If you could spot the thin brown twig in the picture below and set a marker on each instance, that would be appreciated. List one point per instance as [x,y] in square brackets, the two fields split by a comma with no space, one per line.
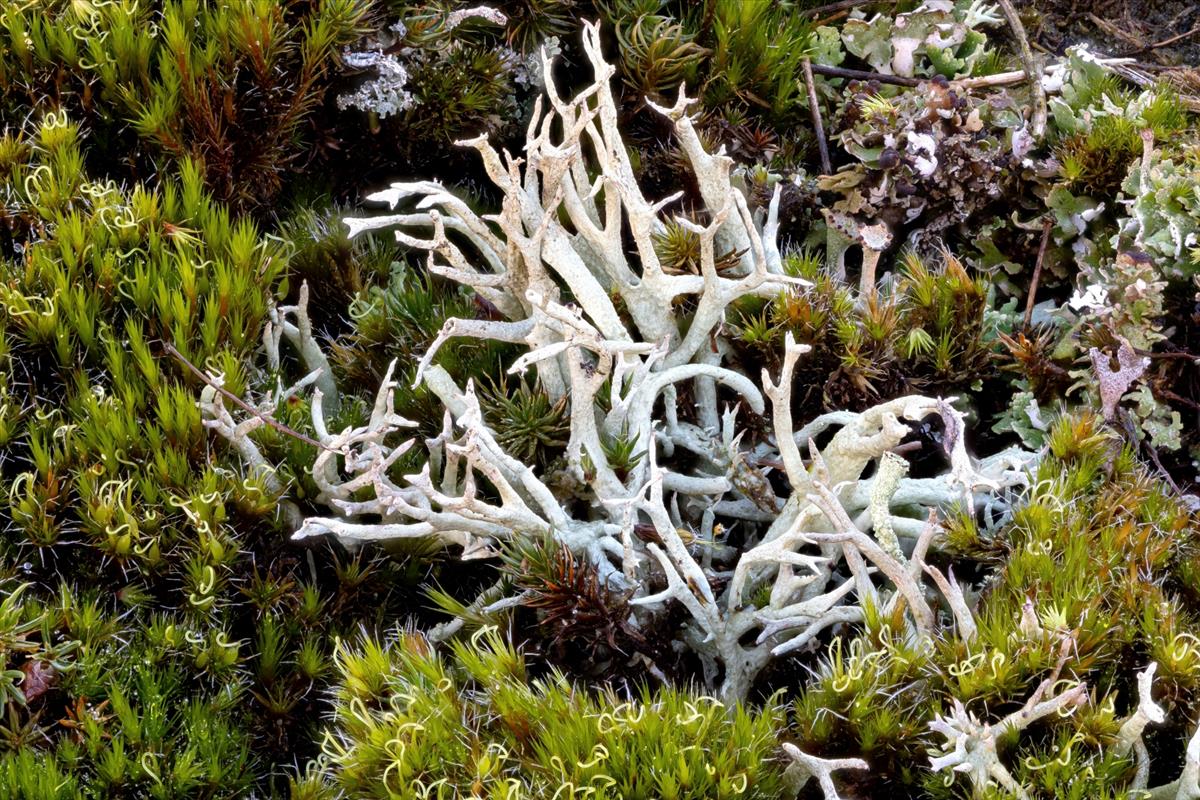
[1178,398]
[1171,40]
[239,402]
[1115,31]
[1016,76]
[818,125]
[1032,69]
[832,18]
[1183,13]
[981,82]
[1149,67]
[1151,451]
[1141,73]
[862,75]
[829,8]
[1170,354]
[1047,226]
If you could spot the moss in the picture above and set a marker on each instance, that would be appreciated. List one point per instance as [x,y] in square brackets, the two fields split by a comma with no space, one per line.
[399,319]
[232,86]
[177,172]
[476,722]
[1092,551]
[930,333]
[532,428]
[200,634]
[336,269]
[740,58]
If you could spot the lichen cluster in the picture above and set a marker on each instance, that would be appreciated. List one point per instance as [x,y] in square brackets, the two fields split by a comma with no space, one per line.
[610,398]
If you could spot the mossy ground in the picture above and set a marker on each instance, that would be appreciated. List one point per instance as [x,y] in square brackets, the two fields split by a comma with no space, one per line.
[169,170]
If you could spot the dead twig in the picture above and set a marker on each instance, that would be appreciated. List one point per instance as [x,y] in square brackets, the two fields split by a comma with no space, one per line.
[1016,76]
[862,75]
[239,402]
[981,82]
[832,18]
[1116,32]
[1032,70]
[1047,226]
[1186,356]
[843,5]
[818,126]
[1144,74]
[1165,42]
[1178,398]
[1138,443]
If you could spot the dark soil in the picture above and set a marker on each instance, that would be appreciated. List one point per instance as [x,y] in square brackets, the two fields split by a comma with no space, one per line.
[1158,33]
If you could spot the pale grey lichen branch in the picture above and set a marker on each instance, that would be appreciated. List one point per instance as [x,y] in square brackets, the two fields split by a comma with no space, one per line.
[804,767]
[1187,786]
[970,746]
[1129,737]
[217,418]
[293,324]
[964,619]
[832,536]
